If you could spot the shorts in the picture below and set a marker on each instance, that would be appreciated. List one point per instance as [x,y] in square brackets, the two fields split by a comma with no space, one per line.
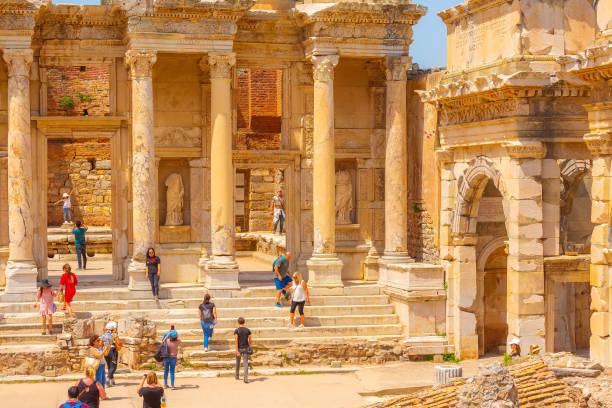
[299,305]
[282,284]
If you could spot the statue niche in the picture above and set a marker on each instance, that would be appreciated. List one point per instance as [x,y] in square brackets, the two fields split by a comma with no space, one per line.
[174,199]
[344,197]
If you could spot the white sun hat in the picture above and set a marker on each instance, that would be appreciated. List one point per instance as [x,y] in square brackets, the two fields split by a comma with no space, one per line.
[65,195]
[111,325]
[516,341]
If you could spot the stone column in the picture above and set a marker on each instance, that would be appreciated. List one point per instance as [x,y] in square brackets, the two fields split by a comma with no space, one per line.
[396,164]
[324,266]
[525,301]
[222,269]
[143,164]
[21,271]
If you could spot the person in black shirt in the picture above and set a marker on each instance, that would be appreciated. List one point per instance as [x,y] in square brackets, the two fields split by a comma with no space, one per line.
[242,336]
[153,271]
[152,392]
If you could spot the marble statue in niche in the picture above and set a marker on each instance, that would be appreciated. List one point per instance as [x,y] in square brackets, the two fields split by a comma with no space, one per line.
[174,199]
[344,197]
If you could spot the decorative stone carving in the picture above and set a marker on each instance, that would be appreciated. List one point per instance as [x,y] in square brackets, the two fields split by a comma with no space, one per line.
[344,197]
[174,199]
[177,136]
[221,64]
[18,61]
[323,67]
[478,112]
[396,68]
[525,149]
[307,127]
[140,62]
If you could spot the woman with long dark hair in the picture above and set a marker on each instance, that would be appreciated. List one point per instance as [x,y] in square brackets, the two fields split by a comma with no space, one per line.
[208,318]
[153,271]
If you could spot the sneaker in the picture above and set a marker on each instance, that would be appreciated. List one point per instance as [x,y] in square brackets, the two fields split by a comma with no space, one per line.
[173,387]
[113,381]
[278,305]
[156,298]
[291,326]
[301,327]
[205,349]
[166,386]
[246,381]
[236,377]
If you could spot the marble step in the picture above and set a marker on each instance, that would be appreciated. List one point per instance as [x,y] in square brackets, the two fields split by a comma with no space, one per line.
[264,342]
[21,339]
[27,328]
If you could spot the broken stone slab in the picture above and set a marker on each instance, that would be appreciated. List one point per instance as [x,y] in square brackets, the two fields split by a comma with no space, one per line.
[445,373]
[561,372]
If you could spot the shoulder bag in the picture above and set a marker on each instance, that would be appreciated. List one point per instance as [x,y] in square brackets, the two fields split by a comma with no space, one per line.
[92,362]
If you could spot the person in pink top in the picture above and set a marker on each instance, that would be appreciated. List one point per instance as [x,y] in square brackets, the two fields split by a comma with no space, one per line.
[44,301]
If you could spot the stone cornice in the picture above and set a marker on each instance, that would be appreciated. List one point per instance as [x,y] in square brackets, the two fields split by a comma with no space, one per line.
[593,65]
[469,7]
[397,12]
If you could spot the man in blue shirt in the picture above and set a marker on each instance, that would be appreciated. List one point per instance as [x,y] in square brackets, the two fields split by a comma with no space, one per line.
[282,280]
[79,243]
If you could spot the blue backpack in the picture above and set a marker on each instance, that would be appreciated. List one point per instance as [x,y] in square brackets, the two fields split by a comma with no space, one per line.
[77,405]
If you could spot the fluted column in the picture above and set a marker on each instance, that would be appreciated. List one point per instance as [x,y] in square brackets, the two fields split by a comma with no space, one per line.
[396,163]
[21,269]
[141,64]
[324,267]
[222,269]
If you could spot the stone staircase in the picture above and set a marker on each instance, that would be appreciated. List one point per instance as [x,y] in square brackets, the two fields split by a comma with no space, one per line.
[359,313]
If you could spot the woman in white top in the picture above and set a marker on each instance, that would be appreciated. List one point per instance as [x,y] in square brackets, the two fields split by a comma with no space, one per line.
[300,297]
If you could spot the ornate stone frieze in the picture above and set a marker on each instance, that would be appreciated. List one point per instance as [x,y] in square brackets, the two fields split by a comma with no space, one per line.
[454,115]
[523,149]
[18,61]
[221,64]
[357,13]
[307,128]
[396,68]
[323,67]
[194,25]
[140,62]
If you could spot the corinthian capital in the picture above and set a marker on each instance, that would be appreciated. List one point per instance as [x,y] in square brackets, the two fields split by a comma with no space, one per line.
[140,62]
[221,64]
[323,67]
[18,61]
[396,67]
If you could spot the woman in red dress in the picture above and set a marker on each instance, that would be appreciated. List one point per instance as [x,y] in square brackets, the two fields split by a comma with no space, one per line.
[68,281]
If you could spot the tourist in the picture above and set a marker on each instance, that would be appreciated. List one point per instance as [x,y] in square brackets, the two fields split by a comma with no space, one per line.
[45,304]
[112,341]
[277,209]
[98,350]
[243,342]
[173,343]
[208,318]
[282,280]
[151,392]
[90,391]
[68,283]
[66,206]
[79,244]
[515,348]
[73,399]
[299,287]
[153,271]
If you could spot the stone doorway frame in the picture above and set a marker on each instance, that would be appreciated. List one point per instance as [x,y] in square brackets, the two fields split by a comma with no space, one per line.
[289,162]
[84,127]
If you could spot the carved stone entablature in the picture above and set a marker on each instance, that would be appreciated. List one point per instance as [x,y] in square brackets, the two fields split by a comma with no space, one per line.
[20,15]
[359,13]
[221,64]
[593,65]
[599,143]
[190,9]
[18,61]
[323,67]
[140,63]
[525,149]
[467,113]
[445,155]
[469,7]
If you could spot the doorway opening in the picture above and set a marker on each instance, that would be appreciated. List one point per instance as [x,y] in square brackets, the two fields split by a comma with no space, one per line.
[495,331]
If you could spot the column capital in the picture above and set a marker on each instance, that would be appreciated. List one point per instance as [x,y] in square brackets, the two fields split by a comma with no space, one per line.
[140,62]
[18,61]
[396,67]
[600,143]
[323,67]
[220,64]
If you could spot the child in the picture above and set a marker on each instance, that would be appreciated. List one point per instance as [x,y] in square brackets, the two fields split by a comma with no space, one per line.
[66,207]
[242,337]
[73,400]
[44,301]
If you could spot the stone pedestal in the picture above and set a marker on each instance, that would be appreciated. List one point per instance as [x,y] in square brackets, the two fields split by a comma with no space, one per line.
[221,271]
[21,271]
[324,267]
[143,164]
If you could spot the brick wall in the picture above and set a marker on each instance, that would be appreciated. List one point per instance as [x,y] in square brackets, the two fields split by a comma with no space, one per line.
[86,166]
[259,109]
[69,80]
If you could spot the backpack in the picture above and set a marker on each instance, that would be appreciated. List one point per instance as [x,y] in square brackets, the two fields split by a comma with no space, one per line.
[207,314]
[77,405]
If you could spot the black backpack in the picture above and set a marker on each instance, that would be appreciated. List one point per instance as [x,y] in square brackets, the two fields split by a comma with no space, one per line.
[207,314]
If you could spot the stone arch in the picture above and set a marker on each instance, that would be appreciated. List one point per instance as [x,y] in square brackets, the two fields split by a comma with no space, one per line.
[572,172]
[470,186]
[487,250]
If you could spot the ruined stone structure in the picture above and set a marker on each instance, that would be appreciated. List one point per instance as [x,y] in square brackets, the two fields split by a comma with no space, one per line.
[468,196]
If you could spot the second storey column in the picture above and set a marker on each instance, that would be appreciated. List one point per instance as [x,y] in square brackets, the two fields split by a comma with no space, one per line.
[324,267]
[143,164]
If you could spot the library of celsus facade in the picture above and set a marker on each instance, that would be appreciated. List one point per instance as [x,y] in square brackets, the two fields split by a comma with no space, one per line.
[477,196]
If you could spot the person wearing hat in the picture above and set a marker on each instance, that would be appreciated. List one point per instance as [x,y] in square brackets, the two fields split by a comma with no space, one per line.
[66,206]
[44,302]
[112,341]
[534,349]
[515,348]
[172,341]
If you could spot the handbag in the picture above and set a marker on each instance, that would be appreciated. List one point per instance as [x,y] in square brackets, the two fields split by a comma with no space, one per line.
[118,342]
[92,362]
[60,297]
[162,352]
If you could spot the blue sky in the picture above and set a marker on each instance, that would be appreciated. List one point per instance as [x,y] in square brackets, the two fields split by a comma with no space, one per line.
[429,46]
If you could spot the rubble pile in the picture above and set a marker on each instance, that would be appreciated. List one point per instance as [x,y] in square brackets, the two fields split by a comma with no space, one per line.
[493,387]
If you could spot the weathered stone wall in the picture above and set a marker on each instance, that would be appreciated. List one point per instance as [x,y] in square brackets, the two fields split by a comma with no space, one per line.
[84,165]
[261,191]
[70,80]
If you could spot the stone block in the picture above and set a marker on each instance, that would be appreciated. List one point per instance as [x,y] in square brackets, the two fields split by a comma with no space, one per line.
[599,299]
[597,254]
[525,247]
[550,169]
[525,211]
[551,246]
[524,265]
[600,324]
[600,189]
[600,212]
[523,188]
[526,168]
[599,275]
[529,231]
[174,233]
[599,349]
[600,235]
[602,166]
[103,164]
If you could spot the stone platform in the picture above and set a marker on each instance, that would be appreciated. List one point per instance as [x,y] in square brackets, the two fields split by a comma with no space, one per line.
[357,326]
[60,240]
